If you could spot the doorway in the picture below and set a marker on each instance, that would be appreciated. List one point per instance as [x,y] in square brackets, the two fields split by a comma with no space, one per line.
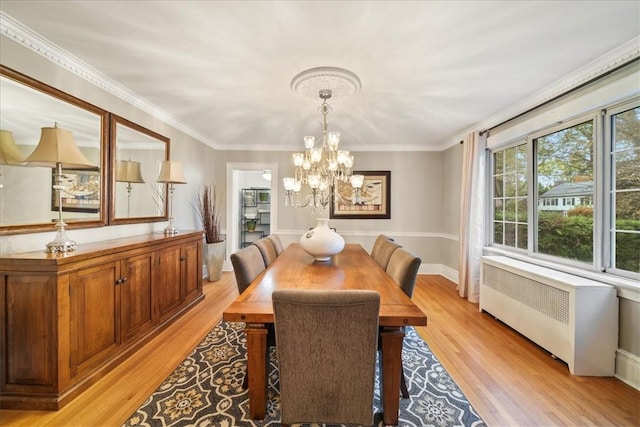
[247,175]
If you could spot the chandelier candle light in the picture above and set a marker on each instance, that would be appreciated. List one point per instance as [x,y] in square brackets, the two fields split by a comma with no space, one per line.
[322,166]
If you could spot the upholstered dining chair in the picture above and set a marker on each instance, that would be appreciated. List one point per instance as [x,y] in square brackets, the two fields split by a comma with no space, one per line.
[382,250]
[267,250]
[403,268]
[277,243]
[247,265]
[327,343]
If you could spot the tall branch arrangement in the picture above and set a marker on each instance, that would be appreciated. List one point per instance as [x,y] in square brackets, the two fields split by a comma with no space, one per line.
[207,209]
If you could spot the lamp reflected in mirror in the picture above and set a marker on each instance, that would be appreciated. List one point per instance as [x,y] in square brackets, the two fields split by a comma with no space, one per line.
[129,171]
[57,149]
[9,152]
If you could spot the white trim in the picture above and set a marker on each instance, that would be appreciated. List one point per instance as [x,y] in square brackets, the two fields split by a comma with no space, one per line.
[23,35]
[628,368]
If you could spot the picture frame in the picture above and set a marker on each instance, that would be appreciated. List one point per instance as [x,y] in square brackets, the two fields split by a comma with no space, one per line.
[81,190]
[375,198]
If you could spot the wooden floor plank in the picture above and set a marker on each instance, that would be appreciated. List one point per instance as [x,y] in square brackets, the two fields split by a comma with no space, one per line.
[508,379]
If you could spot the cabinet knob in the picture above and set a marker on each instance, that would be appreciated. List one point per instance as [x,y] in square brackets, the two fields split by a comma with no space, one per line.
[124,279]
[119,281]
[183,258]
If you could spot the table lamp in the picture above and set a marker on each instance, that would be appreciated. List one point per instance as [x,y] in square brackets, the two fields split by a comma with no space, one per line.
[57,149]
[171,173]
[128,171]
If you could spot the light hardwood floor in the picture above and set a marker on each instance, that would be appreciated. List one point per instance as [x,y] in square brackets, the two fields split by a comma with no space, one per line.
[507,378]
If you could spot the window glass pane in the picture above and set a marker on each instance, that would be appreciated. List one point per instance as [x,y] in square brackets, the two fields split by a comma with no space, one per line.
[498,159]
[627,164]
[510,210]
[498,207]
[510,160]
[626,127]
[510,234]
[565,172]
[499,186]
[628,210]
[627,251]
[521,209]
[626,190]
[522,236]
[510,185]
[498,232]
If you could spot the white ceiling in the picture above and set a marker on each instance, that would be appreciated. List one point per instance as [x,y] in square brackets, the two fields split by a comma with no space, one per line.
[431,71]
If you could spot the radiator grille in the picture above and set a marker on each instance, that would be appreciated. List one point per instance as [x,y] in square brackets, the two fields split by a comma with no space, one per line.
[552,302]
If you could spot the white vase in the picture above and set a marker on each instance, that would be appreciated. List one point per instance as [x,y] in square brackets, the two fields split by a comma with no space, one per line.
[214,258]
[322,242]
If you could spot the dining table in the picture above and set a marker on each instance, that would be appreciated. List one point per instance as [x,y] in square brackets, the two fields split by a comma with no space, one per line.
[352,268]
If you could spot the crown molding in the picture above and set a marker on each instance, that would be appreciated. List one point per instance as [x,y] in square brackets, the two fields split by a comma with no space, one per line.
[618,57]
[16,31]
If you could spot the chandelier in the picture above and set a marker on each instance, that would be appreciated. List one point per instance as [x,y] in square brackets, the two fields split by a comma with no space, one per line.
[322,166]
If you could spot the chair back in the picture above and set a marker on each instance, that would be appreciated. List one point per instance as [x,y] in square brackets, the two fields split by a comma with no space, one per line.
[267,250]
[382,250]
[247,265]
[403,269]
[277,243]
[327,343]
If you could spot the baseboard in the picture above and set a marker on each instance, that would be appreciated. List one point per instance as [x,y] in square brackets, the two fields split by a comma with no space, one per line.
[628,368]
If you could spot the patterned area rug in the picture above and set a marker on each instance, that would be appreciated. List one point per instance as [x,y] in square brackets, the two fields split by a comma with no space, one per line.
[206,389]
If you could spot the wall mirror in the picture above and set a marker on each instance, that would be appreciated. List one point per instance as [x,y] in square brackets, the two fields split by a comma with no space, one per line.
[27,202]
[137,154]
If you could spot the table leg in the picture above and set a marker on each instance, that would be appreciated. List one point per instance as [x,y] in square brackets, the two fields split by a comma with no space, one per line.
[391,360]
[257,369]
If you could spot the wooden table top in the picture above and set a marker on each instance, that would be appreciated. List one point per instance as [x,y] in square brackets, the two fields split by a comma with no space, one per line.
[353,268]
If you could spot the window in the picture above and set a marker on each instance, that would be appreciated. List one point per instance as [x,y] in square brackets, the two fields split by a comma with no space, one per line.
[556,196]
[564,169]
[510,197]
[625,189]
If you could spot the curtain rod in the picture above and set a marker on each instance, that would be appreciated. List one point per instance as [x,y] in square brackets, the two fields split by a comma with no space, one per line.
[548,101]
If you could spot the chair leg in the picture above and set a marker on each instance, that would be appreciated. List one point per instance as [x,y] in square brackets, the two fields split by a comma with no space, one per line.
[245,382]
[403,385]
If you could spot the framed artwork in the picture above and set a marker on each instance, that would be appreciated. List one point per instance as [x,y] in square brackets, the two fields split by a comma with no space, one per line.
[374,201]
[81,190]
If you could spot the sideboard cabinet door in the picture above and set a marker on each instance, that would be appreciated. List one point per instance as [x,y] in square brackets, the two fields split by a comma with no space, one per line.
[95,315]
[29,329]
[167,281]
[135,295]
[192,270]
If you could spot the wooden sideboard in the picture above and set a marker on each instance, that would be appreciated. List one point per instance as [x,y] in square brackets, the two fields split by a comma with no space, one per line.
[68,319]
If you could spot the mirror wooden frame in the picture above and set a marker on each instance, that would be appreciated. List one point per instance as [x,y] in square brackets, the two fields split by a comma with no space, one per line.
[104,129]
[113,142]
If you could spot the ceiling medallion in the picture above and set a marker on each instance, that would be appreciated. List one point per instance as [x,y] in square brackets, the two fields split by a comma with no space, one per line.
[342,83]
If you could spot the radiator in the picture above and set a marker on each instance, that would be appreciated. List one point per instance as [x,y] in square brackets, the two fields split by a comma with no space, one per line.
[575,319]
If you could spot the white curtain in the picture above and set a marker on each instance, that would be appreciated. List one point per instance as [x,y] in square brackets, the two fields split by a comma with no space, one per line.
[472,215]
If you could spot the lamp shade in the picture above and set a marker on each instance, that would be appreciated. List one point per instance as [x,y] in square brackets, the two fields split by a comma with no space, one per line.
[171,172]
[9,152]
[128,171]
[57,146]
